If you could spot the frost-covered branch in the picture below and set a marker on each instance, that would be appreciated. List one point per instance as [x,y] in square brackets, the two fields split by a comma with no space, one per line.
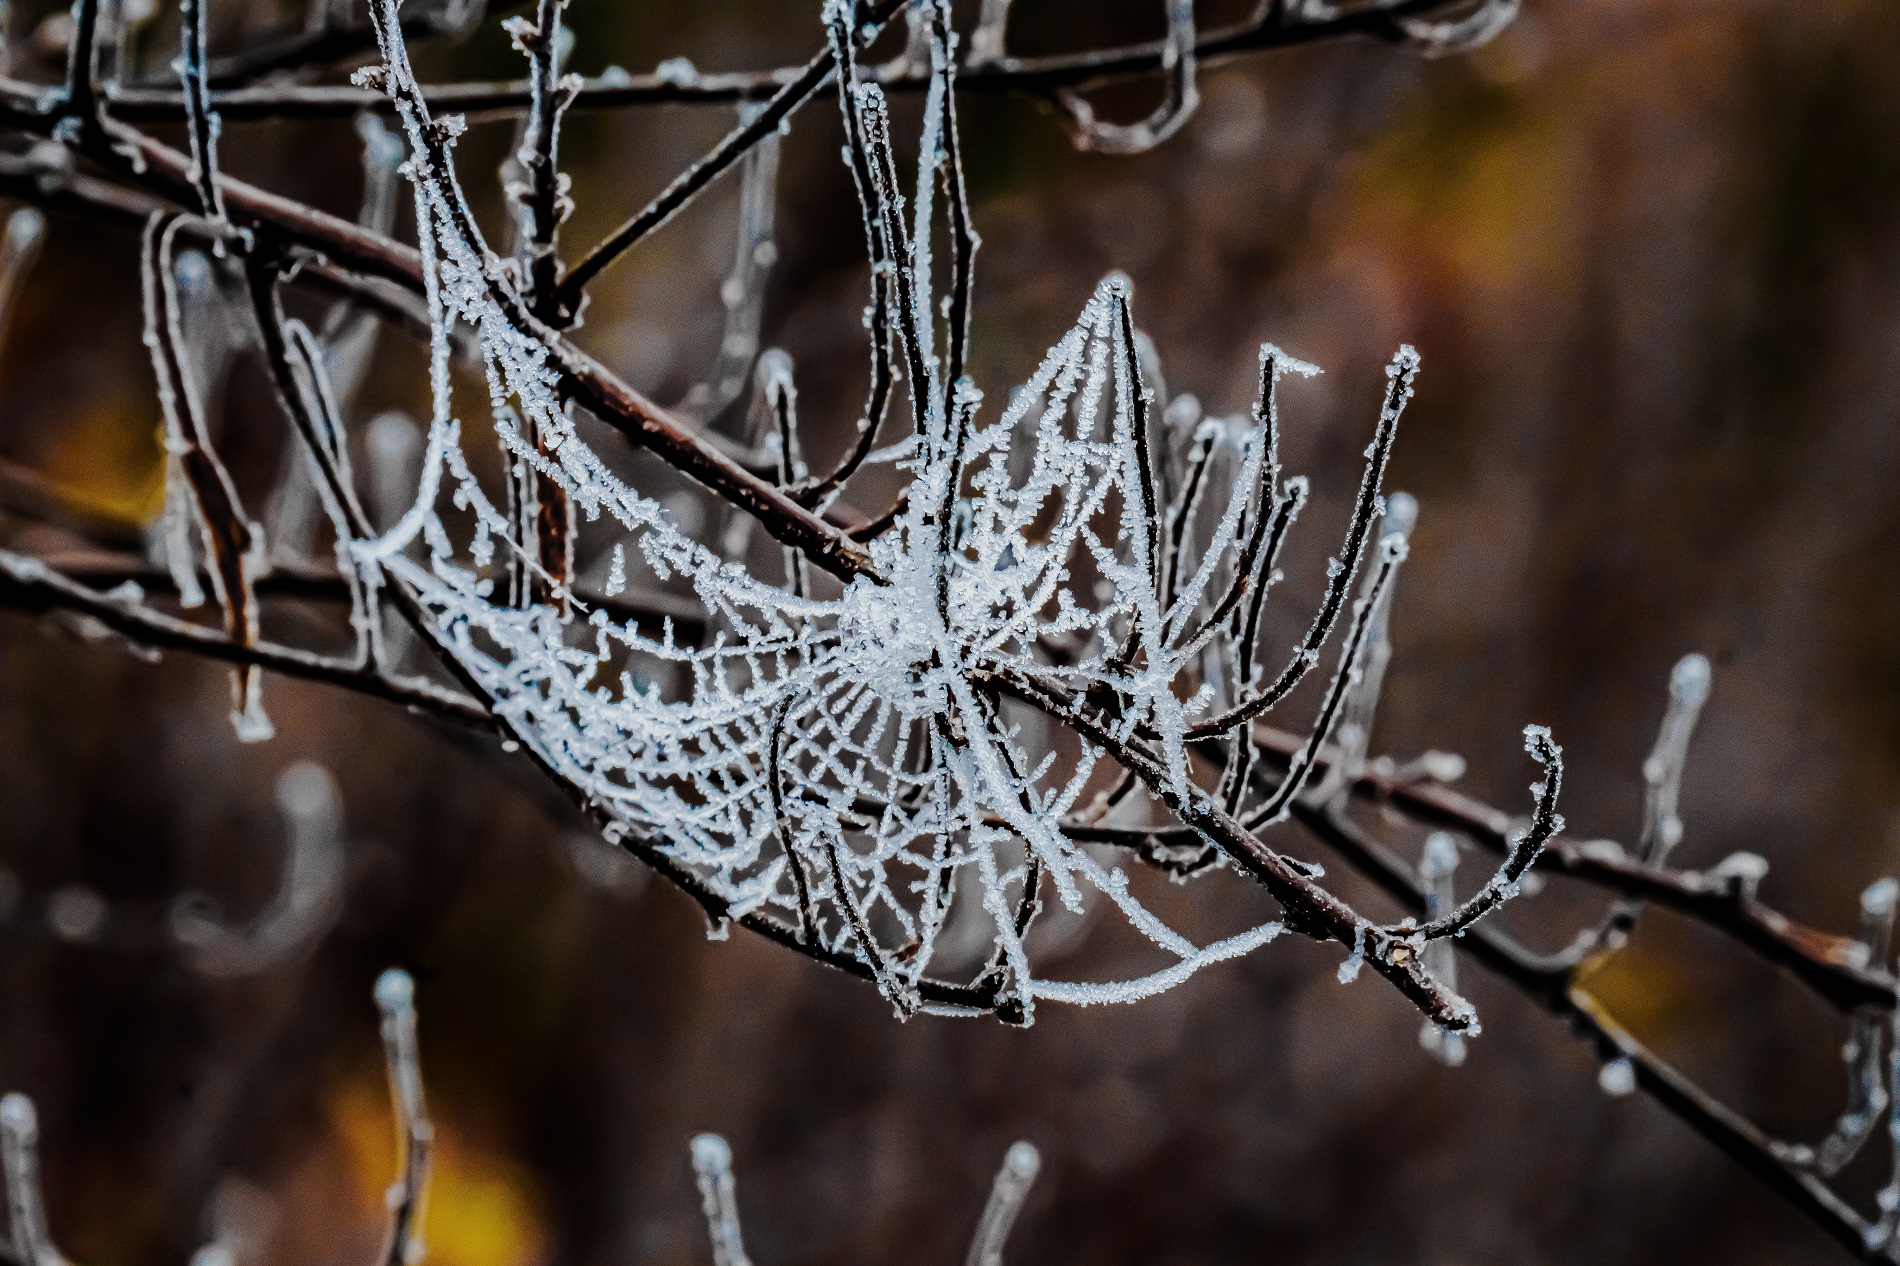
[201,497]
[883,688]
[1867,1095]
[1835,967]
[1526,845]
[201,123]
[27,584]
[1437,872]
[754,127]
[1628,1064]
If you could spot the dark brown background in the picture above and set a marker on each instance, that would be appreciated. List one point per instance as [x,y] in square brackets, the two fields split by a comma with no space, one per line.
[1650,251]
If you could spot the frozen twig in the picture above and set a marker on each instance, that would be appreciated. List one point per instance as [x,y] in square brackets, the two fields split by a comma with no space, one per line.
[19,1148]
[987,42]
[1274,809]
[1178,59]
[712,1166]
[743,293]
[1355,725]
[753,130]
[1340,571]
[1020,1166]
[19,247]
[1867,1096]
[842,43]
[28,585]
[1442,36]
[198,486]
[1549,984]
[1525,849]
[1078,71]
[395,995]
[1689,684]
[1437,871]
[202,124]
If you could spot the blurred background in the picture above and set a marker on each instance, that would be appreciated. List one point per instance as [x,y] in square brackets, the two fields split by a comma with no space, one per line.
[1650,253]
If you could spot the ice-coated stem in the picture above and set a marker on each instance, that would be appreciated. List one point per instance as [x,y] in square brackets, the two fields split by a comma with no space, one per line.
[1866,1089]
[1662,772]
[1528,845]
[1400,375]
[1021,1164]
[743,293]
[19,248]
[201,123]
[1438,868]
[1177,63]
[1362,704]
[712,1165]
[1443,37]
[19,1147]
[395,995]
[1689,683]
[987,41]
[310,885]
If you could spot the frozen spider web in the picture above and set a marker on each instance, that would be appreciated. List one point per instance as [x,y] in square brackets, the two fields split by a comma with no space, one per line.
[835,763]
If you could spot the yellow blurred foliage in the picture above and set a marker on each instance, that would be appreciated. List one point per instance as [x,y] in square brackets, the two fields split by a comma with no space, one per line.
[1477,186]
[110,461]
[1642,991]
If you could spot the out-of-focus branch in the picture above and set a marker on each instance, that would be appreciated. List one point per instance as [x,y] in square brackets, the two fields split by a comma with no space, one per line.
[31,495]
[1030,75]
[1021,1164]
[309,893]
[26,1214]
